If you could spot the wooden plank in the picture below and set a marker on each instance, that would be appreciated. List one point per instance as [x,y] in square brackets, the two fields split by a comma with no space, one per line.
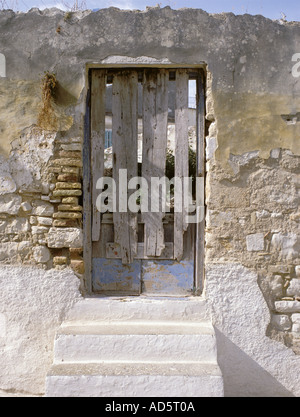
[124,139]
[155,127]
[97,142]
[181,157]
[113,251]
[87,215]
[200,227]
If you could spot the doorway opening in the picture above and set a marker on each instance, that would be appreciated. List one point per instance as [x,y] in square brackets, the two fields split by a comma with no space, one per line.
[146,138]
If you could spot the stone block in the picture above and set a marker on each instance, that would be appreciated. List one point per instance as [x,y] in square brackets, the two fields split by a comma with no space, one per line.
[26,207]
[69,207]
[76,252]
[287,244]
[33,220]
[77,266]
[68,185]
[211,147]
[294,288]
[255,242]
[45,221]
[70,154]
[19,225]
[41,254]
[275,153]
[55,169]
[60,260]
[296,318]
[65,223]
[67,178]
[71,170]
[287,306]
[65,238]
[67,162]
[24,248]
[276,286]
[10,204]
[67,215]
[70,200]
[67,193]
[297,271]
[281,322]
[42,208]
[296,328]
[8,250]
[7,184]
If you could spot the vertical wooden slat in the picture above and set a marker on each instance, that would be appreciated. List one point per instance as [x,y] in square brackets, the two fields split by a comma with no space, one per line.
[155,126]
[124,139]
[87,216]
[97,142]
[181,157]
[200,226]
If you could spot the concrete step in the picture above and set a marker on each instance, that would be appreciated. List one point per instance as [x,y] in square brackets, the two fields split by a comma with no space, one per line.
[136,347]
[192,309]
[138,341]
[135,380]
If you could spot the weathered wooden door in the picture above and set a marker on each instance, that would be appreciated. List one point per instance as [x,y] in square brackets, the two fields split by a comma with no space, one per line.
[142,241]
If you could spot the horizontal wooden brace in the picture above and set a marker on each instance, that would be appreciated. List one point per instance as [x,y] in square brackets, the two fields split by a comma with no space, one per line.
[113,252]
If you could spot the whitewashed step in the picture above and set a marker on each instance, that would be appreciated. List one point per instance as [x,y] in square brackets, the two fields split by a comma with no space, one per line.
[102,309]
[135,380]
[138,341]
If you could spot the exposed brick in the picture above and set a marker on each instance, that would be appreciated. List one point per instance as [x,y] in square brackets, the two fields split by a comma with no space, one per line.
[65,223]
[69,207]
[67,193]
[54,169]
[70,154]
[68,178]
[60,260]
[71,170]
[77,266]
[70,200]
[72,162]
[67,215]
[68,185]
[76,253]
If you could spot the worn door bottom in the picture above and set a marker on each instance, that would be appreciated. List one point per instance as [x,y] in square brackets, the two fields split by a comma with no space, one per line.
[157,277]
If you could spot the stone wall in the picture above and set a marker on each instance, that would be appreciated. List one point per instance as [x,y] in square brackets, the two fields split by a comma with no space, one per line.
[41,218]
[252,190]
[253,219]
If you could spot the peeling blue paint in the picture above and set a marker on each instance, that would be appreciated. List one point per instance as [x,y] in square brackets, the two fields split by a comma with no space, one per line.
[154,277]
[168,277]
[112,275]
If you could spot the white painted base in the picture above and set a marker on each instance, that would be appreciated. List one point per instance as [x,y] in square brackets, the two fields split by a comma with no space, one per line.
[135,380]
[143,341]
[138,308]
